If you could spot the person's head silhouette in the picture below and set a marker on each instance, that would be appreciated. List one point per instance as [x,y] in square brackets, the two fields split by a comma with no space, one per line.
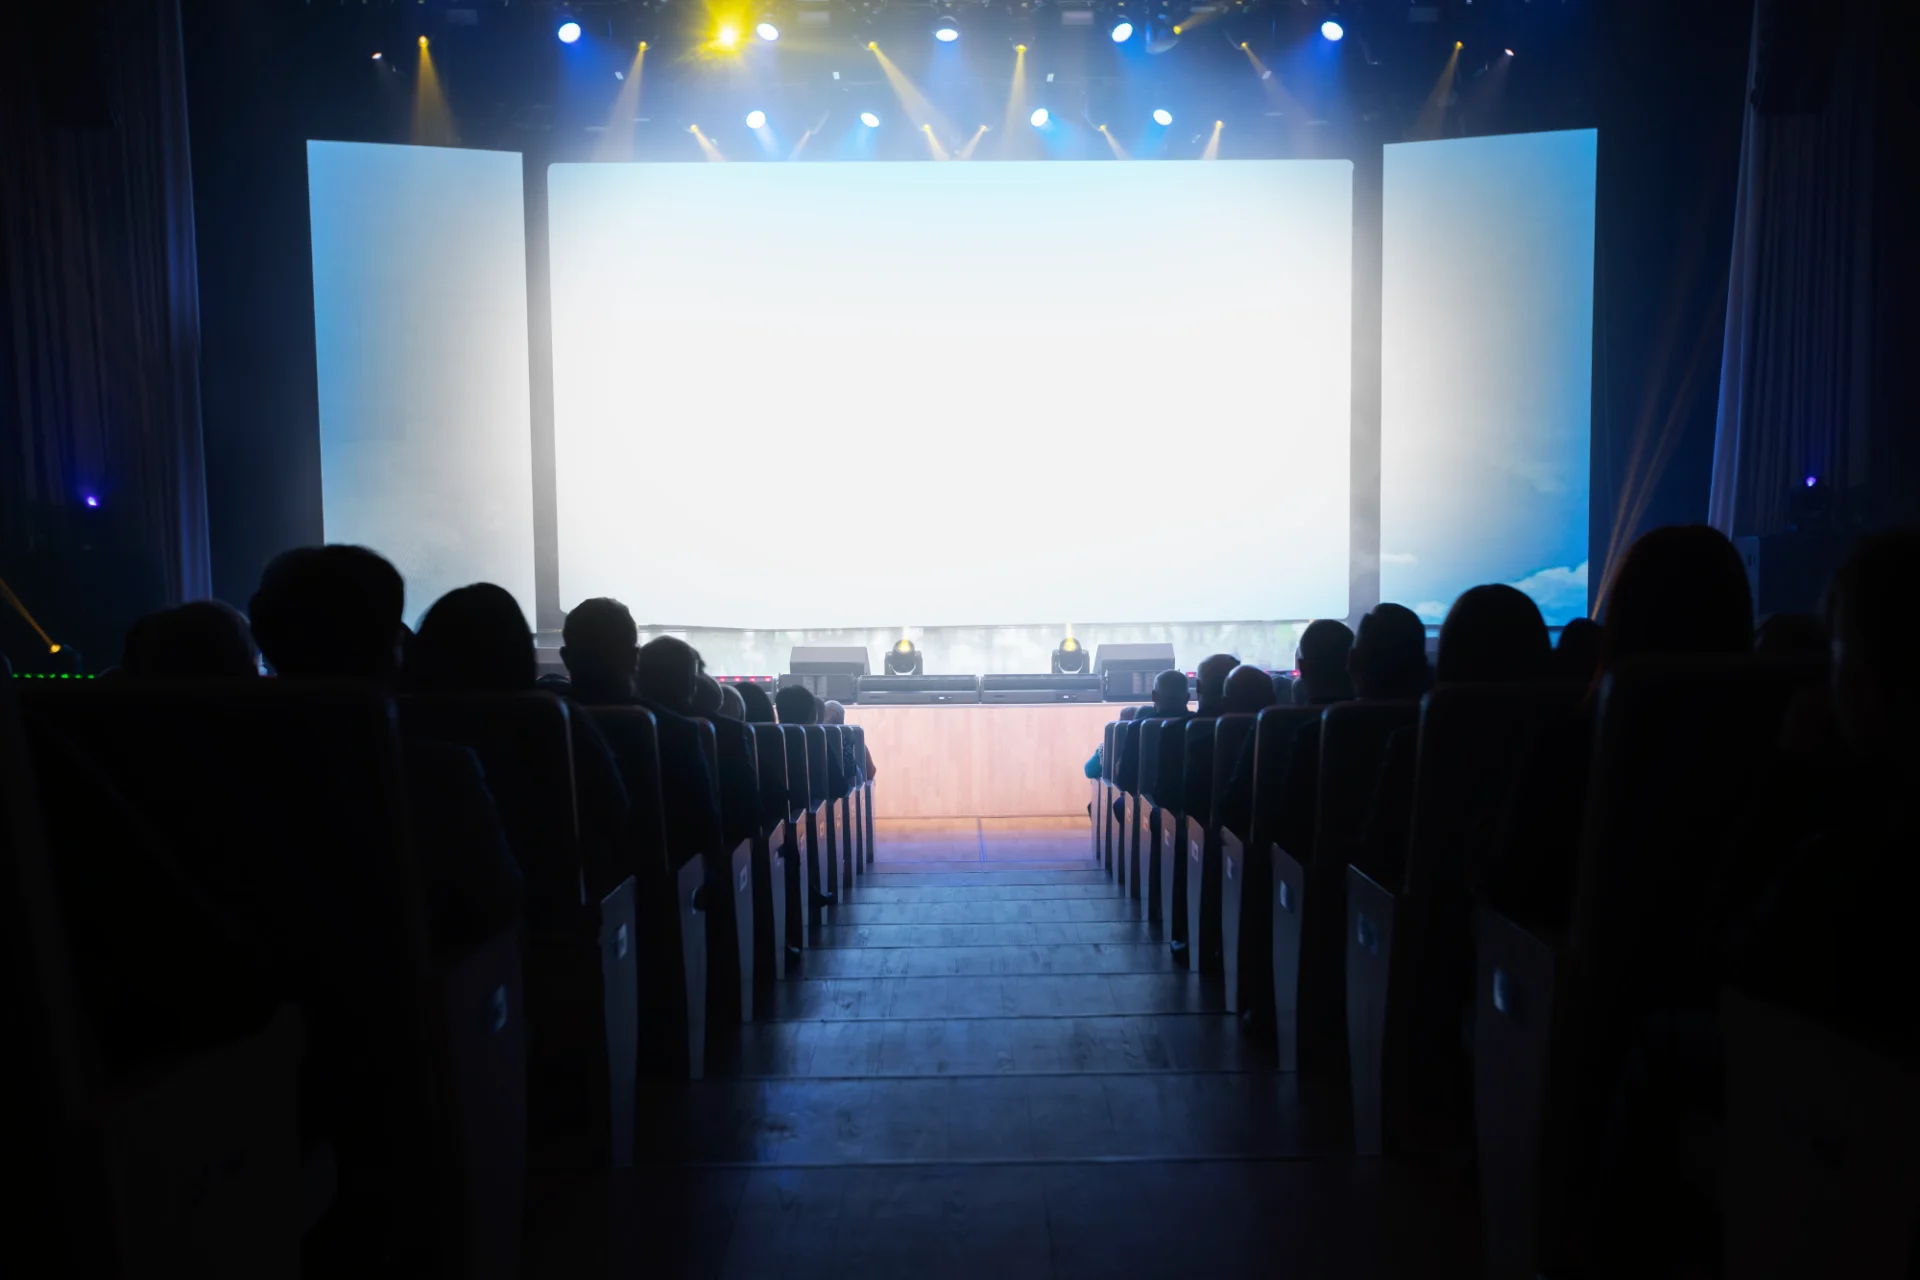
[201,640]
[1679,590]
[330,612]
[1389,658]
[759,704]
[831,712]
[666,671]
[1577,654]
[1493,633]
[1210,678]
[732,705]
[1321,659]
[598,643]
[797,705]
[707,697]
[473,640]
[1170,693]
[1249,689]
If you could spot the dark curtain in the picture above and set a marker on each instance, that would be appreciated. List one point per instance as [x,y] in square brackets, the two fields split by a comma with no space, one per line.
[1810,248]
[99,387]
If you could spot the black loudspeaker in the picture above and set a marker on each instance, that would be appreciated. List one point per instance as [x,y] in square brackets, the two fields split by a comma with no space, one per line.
[1050,688]
[826,671]
[1796,51]
[1127,670]
[918,690]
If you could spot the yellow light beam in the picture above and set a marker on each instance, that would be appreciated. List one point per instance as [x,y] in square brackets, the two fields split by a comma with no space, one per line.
[966,152]
[1433,116]
[924,115]
[616,143]
[1017,111]
[1213,144]
[933,144]
[707,148]
[432,122]
[1119,153]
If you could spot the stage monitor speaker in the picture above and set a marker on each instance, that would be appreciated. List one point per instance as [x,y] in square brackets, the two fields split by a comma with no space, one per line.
[826,670]
[1049,688]
[917,690]
[1126,671]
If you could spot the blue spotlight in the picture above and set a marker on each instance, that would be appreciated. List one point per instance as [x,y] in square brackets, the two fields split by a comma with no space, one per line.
[767,31]
[1039,118]
[94,502]
[869,119]
[756,119]
[569,31]
[1332,30]
[1122,32]
[1162,116]
[946,30]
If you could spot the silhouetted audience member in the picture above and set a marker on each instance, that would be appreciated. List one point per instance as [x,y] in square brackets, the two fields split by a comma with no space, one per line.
[733,741]
[759,703]
[732,705]
[1791,637]
[1210,679]
[475,640]
[797,705]
[1169,703]
[1493,635]
[832,712]
[1248,691]
[201,640]
[330,612]
[707,696]
[1321,659]
[1680,590]
[1576,657]
[1283,688]
[598,642]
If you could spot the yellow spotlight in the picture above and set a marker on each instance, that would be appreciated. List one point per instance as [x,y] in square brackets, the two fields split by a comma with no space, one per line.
[1219,124]
[643,46]
[1456,43]
[727,36]
[423,42]
[872,45]
[1176,29]
[1243,44]
[54,649]
[1019,48]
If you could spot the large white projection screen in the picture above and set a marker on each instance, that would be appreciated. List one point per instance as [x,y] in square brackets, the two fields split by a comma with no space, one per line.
[1486,369]
[882,395]
[420,338]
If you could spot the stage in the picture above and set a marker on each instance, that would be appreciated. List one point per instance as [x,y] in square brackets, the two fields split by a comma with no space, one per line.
[982,761]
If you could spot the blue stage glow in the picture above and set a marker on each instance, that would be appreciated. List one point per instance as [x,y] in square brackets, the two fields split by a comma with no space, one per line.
[94,502]
[1122,32]
[569,31]
[869,119]
[756,119]
[1332,30]
[1039,118]
[1811,481]
[1162,116]
[767,31]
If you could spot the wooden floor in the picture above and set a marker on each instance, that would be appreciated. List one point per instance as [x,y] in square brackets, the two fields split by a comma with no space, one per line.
[992,1068]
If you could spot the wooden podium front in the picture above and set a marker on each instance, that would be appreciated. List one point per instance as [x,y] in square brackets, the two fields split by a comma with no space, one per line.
[992,760]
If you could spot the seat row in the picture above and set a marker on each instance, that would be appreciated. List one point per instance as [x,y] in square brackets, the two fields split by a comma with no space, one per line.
[1456,1025]
[240,943]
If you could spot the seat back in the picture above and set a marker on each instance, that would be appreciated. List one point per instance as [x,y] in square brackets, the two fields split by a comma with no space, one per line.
[1274,732]
[1170,770]
[633,734]
[1675,744]
[710,748]
[526,748]
[836,753]
[856,753]
[1230,734]
[1147,758]
[1196,769]
[799,788]
[771,752]
[817,779]
[1353,738]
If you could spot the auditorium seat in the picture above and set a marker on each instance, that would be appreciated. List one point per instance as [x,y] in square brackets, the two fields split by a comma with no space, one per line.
[1675,743]
[821,872]
[730,906]
[839,837]
[1270,937]
[1105,825]
[802,857]
[1228,873]
[284,809]
[1409,936]
[1169,797]
[1146,780]
[865,817]
[1822,1150]
[769,857]
[1201,850]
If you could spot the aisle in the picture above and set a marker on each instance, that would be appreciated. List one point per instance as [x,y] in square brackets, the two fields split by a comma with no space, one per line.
[991,1068]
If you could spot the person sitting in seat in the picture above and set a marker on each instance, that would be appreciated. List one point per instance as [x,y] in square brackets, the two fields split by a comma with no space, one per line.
[1321,659]
[1210,679]
[1169,703]
[1248,691]
[797,705]
[1494,634]
[759,704]
[200,640]
[832,712]
[333,613]
[1282,688]
[475,640]
[739,782]
[1577,656]
[732,705]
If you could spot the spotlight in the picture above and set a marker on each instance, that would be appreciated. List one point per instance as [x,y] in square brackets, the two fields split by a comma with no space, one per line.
[727,36]
[946,30]
[94,502]
[569,31]
[903,659]
[1039,118]
[1122,32]
[423,42]
[767,31]
[1811,481]
[1162,116]
[756,119]
[376,57]
[869,119]
[1508,52]
[1332,30]
[1070,659]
